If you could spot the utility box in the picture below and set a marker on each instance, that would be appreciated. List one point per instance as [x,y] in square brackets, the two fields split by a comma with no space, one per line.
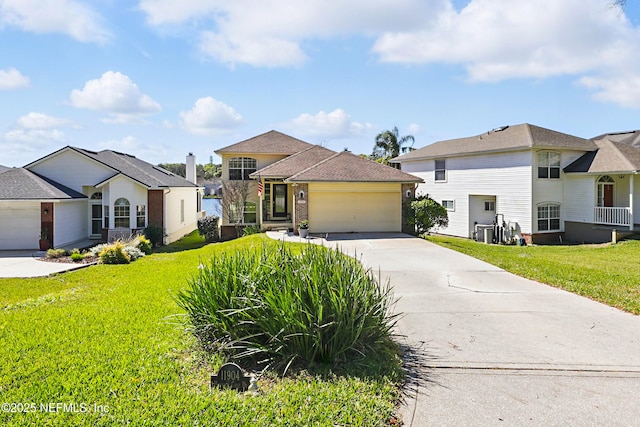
[488,235]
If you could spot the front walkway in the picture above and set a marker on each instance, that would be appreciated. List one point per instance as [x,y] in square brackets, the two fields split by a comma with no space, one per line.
[492,348]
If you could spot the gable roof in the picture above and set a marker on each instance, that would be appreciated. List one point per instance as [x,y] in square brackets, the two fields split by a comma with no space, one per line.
[295,163]
[610,157]
[347,167]
[505,138]
[272,142]
[130,166]
[22,184]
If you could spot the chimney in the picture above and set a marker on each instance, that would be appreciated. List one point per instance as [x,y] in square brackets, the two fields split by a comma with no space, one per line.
[191,168]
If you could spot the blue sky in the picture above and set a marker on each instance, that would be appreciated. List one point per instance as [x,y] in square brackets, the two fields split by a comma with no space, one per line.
[161,78]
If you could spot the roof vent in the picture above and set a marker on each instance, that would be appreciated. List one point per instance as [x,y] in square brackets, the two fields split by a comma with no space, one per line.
[499,129]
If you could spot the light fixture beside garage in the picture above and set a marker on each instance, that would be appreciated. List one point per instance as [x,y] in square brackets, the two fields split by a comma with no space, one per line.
[301,195]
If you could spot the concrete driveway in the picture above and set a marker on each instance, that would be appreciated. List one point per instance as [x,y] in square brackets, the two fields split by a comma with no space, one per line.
[27,264]
[492,348]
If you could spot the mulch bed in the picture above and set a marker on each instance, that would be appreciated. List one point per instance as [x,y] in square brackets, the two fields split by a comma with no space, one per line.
[68,260]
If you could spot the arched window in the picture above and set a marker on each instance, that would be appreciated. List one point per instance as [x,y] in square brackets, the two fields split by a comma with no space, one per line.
[121,213]
[241,167]
[549,217]
[96,196]
[548,165]
[606,186]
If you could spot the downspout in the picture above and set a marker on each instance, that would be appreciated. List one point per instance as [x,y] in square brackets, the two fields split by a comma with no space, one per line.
[631,201]
[164,215]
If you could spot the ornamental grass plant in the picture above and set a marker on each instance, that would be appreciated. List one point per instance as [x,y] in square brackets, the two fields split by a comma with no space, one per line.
[281,305]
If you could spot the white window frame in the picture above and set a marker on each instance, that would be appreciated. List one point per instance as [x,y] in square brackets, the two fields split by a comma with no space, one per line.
[141,214]
[119,213]
[440,173]
[246,166]
[491,204]
[548,161]
[547,216]
[449,205]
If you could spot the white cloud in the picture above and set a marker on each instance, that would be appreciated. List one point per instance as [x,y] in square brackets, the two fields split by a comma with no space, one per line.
[209,116]
[42,121]
[35,136]
[239,32]
[500,39]
[54,16]
[335,124]
[414,129]
[117,95]
[12,79]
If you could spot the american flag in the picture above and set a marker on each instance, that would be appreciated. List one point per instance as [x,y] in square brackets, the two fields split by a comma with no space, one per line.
[260,188]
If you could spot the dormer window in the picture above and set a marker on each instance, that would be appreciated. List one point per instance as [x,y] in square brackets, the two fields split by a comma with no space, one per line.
[548,165]
[241,167]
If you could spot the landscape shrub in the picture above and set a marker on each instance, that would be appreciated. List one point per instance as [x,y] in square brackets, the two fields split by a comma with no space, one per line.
[426,213]
[114,254]
[95,250]
[251,229]
[77,257]
[56,253]
[278,306]
[155,235]
[142,243]
[133,252]
[208,228]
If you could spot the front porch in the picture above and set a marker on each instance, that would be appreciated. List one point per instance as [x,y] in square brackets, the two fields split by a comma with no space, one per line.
[619,216]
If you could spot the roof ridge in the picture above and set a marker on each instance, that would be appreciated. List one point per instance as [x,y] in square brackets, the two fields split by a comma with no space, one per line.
[317,164]
[288,158]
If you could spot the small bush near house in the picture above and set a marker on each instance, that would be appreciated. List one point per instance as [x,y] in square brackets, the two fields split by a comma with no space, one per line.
[280,306]
[77,257]
[56,253]
[208,228]
[426,213]
[133,252]
[114,254]
[143,244]
[155,235]
[251,229]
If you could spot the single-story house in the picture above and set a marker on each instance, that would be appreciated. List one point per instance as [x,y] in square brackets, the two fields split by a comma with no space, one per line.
[75,194]
[290,180]
[544,186]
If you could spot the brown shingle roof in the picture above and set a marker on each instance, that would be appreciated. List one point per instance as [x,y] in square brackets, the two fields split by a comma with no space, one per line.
[295,163]
[272,142]
[611,157]
[347,167]
[507,138]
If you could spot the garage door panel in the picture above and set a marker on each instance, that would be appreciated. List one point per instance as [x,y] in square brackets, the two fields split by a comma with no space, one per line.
[19,226]
[354,211]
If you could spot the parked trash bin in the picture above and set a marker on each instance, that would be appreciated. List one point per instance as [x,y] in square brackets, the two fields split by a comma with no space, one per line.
[488,235]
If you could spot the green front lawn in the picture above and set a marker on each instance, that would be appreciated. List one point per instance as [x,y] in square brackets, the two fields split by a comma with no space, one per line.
[605,273]
[103,346]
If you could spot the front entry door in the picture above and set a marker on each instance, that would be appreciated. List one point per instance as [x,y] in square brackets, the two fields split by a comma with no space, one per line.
[608,195]
[96,219]
[279,204]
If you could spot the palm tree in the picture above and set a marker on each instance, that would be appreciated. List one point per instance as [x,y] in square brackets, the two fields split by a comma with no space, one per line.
[389,144]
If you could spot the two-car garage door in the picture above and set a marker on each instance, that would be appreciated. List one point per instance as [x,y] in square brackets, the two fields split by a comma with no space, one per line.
[355,207]
[19,225]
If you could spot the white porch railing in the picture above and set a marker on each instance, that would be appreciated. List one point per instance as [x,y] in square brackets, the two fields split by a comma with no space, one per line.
[612,216]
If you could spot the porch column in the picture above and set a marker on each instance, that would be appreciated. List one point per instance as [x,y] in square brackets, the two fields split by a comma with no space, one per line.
[631,177]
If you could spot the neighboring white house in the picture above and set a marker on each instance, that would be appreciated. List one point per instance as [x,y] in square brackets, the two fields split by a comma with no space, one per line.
[75,194]
[545,186]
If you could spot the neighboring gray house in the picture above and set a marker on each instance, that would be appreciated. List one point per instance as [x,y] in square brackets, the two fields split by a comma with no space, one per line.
[3,168]
[75,194]
[547,186]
